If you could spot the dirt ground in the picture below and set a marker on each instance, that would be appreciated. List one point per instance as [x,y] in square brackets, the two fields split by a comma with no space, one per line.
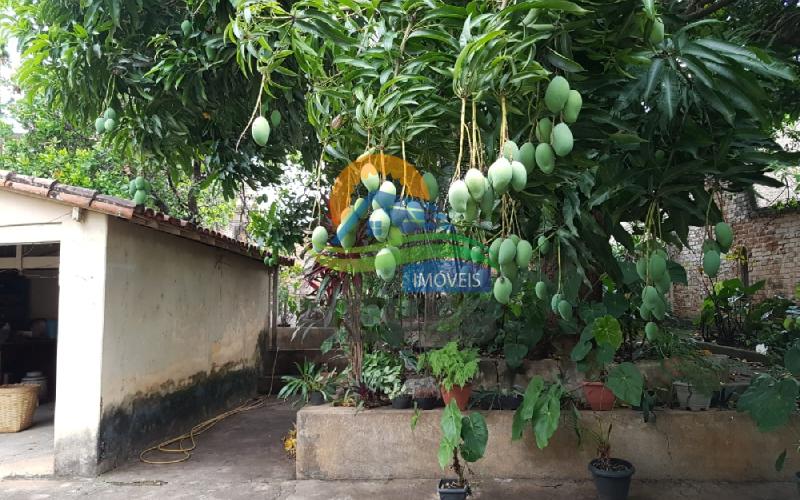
[242,458]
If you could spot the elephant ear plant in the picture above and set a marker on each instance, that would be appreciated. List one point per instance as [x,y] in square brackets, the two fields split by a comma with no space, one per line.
[593,353]
[464,437]
[541,409]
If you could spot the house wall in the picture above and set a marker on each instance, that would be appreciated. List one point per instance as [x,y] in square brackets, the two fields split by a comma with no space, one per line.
[182,330]
[772,241]
[81,297]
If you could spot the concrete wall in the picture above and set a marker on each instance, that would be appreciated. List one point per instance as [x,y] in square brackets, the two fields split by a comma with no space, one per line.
[81,318]
[182,328]
[347,443]
[772,241]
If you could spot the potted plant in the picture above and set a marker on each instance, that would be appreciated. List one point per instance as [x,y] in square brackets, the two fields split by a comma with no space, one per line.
[314,384]
[425,396]
[498,399]
[454,368]
[400,397]
[612,476]
[463,438]
[593,353]
[696,378]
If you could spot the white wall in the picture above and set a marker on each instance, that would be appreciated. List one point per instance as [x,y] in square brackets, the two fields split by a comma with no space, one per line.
[176,308]
[182,327]
[80,312]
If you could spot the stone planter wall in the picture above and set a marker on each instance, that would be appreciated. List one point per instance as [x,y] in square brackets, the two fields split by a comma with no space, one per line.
[345,443]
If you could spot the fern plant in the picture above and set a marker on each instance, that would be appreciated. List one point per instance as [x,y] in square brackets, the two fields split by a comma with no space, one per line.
[450,365]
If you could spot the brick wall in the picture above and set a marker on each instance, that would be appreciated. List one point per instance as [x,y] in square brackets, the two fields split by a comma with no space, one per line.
[772,241]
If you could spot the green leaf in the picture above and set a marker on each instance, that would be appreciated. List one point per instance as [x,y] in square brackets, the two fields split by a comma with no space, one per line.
[562,62]
[770,402]
[475,435]
[653,77]
[547,417]
[451,433]
[514,354]
[580,350]
[626,383]
[792,359]
[531,397]
[607,331]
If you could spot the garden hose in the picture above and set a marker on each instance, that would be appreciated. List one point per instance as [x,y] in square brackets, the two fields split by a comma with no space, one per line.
[194,432]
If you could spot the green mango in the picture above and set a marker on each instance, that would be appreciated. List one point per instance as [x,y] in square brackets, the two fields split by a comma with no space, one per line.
[556,94]
[543,244]
[500,174]
[544,129]
[502,289]
[508,251]
[319,238]
[524,254]
[562,139]
[510,149]
[572,108]
[657,266]
[527,156]
[431,184]
[724,235]
[711,263]
[545,158]
[476,183]
[458,195]
[494,251]
[385,264]
[260,131]
[541,290]
[519,176]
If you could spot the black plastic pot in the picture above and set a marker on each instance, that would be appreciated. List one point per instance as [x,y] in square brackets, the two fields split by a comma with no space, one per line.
[509,402]
[612,484]
[426,403]
[447,492]
[401,402]
[316,398]
[797,480]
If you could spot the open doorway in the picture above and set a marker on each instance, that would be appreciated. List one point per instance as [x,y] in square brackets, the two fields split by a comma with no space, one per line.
[29,291]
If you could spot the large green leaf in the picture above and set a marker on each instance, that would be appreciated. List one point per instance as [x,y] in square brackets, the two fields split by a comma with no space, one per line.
[791,359]
[475,435]
[547,416]
[608,331]
[626,382]
[451,433]
[769,401]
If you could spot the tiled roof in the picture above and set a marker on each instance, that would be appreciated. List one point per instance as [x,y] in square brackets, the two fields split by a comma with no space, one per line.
[90,199]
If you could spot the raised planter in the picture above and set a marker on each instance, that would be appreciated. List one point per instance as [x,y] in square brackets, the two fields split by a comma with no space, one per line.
[679,445]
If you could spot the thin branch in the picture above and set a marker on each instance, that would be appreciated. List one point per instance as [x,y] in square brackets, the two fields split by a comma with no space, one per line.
[709,10]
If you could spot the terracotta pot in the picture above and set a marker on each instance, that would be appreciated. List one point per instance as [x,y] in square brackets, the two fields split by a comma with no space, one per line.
[460,393]
[599,397]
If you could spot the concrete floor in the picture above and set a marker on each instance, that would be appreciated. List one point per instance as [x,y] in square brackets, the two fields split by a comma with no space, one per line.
[243,458]
[29,452]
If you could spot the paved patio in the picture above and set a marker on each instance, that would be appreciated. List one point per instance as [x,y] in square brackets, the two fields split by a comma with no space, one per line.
[243,458]
[30,452]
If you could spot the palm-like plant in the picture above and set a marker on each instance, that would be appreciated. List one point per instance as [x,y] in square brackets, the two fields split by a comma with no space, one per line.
[311,379]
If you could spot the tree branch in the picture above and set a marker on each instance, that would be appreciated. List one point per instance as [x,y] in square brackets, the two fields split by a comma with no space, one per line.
[719,4]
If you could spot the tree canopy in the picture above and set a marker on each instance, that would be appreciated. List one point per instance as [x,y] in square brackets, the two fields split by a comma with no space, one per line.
[667,121]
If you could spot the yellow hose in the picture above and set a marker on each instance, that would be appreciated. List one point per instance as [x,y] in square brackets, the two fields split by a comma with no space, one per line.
[196,431]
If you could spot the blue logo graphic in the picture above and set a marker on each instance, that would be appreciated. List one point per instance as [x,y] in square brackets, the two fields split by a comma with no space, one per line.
[446,276]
